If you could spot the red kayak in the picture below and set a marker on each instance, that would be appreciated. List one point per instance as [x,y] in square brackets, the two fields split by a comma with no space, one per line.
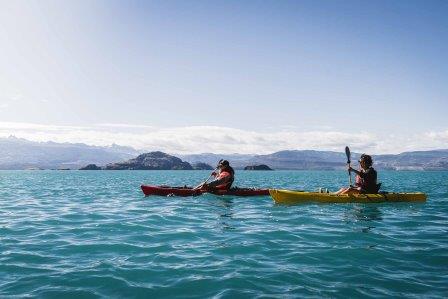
[170,191]
[188,191]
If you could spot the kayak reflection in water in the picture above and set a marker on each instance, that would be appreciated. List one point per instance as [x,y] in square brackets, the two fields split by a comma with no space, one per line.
[224,177]
[365,181]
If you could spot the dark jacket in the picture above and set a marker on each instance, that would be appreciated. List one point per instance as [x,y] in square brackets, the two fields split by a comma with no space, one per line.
[368,182]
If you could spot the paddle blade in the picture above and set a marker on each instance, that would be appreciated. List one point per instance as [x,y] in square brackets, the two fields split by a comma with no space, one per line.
[347,153]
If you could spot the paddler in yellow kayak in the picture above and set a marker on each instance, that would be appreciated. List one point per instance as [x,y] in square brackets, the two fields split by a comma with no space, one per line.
[224,177]
[366,178]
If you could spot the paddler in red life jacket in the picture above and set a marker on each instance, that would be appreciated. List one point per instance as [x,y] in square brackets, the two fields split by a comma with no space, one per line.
[224,177]
[365,180]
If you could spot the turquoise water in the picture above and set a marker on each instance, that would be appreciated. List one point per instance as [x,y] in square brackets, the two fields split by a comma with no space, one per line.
[66,234]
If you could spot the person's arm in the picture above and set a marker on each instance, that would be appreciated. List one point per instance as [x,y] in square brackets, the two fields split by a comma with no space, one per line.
[220,180]
[217,182]
[203,184]
[355,171]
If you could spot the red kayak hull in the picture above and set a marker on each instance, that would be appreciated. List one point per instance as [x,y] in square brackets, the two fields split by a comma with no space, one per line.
[243,192]
[188,191]
[170,191]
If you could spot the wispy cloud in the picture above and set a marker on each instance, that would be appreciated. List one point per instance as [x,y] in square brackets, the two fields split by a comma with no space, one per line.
[32,127]
[111,125]
[438,136]
[198,139]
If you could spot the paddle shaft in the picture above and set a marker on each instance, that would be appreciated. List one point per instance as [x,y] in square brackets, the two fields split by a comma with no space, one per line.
[349,176]
[209,177]
[347,153]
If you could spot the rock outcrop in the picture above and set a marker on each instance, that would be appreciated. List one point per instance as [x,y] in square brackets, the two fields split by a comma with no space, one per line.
[151,161]
[257,167]
[91,167]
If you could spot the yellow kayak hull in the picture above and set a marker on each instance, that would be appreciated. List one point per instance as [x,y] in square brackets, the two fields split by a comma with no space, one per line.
[292,197]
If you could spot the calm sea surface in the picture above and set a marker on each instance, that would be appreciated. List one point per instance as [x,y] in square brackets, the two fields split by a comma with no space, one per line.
[74,234]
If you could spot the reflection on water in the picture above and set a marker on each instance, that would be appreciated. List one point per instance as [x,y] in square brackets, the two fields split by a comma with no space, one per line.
[224,212]
[364,220]
[363,214]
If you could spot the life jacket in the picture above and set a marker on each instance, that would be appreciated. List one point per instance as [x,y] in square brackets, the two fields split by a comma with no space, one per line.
[229,175]
[358,181]
[367,186]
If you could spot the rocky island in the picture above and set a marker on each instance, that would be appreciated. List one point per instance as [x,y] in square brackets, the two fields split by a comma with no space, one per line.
[91,167]
[151,161]
[257,167]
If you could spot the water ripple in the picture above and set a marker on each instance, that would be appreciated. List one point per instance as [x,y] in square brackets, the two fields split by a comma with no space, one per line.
[93,235]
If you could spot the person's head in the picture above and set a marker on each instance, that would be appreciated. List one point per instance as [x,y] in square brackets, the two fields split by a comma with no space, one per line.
[365,161]
[223,164]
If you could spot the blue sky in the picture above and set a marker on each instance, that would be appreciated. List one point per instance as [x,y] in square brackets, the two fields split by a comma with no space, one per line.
[372,74]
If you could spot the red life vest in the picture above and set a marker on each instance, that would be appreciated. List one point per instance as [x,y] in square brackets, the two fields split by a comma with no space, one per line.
[228,180]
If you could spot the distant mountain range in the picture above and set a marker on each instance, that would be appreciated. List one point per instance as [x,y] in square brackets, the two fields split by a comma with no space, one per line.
[17,153]
[327,160]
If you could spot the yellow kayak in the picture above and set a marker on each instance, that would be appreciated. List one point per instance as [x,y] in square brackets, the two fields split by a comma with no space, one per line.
[291,197]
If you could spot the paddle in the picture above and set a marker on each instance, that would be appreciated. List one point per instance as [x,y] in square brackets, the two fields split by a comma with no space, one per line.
[209,177]
[347,153]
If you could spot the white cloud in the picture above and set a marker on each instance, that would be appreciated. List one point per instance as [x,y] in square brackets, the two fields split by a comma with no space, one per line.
[438,136]
[199,139]
[109,125]
[16,97]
